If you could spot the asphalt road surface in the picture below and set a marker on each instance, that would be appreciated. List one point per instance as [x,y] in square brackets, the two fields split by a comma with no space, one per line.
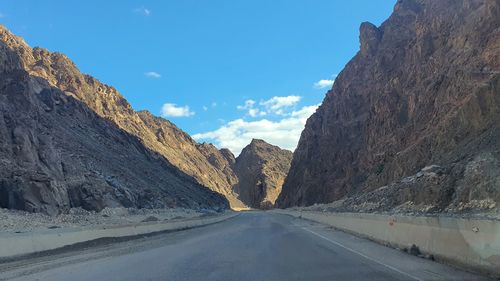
[256,246]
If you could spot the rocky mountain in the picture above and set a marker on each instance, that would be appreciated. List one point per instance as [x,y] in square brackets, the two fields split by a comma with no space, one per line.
[261,169]
[413,120]
[156,134]
[61,145]
[204,162]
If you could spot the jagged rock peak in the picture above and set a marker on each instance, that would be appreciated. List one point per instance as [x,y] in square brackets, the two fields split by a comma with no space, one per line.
[258,142]
[423,90]
[369,38]
[261,169]
[228,155]
[412,6]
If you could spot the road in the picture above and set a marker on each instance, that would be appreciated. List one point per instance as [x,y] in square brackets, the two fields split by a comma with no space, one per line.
[252,246]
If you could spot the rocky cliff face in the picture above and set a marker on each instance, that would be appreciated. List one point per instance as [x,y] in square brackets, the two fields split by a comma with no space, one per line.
[261,169]
[67,140]
[423,90]
[157,134]
[204,162]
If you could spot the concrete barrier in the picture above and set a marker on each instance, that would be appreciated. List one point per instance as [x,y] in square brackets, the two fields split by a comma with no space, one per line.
[467,243]
[19,244]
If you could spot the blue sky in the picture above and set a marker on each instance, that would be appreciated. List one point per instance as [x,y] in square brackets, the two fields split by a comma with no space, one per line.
[224,71]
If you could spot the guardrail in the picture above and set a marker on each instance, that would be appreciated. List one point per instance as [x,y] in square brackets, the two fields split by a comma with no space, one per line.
[466,243]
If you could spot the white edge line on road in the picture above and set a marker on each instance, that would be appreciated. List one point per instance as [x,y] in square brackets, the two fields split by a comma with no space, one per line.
[363,255]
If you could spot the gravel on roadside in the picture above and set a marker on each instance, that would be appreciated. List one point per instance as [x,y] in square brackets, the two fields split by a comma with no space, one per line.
[20,221]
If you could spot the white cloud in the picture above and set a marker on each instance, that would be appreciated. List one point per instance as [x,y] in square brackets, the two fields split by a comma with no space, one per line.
[205,108]
[238,133]
[143,11]
[324,83]
[214,104]
[248,105]
[254,112]
[274,105]
[153,74]
[277,105]
[172,110]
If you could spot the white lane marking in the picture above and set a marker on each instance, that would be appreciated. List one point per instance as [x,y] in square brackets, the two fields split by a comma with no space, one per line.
[361,254]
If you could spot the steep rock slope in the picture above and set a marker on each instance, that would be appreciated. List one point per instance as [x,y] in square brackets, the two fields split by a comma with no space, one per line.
[57,153]
[261,169]
[223,161]
[157,134]
[423,90]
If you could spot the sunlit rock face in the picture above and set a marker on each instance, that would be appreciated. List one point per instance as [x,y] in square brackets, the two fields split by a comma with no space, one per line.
[67,140]
[423,90]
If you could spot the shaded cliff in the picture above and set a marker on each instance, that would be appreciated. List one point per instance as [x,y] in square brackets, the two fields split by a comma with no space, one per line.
[261,169]
[423,90]
[56,152]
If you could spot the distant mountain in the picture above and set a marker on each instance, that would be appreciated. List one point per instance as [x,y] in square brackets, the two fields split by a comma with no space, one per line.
[67,140]
[413,120]
[261,169]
